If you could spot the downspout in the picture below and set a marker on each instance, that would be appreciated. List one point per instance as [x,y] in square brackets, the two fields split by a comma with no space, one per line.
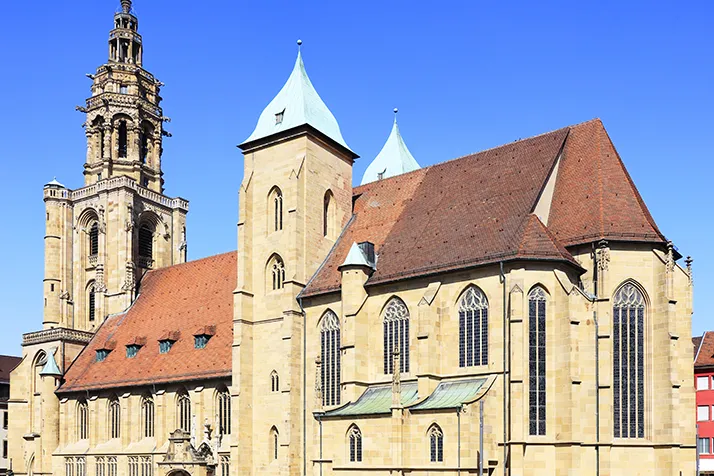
[597,363]
[480,438]
[319,420]
[502,278]
[304,392]
[458,441]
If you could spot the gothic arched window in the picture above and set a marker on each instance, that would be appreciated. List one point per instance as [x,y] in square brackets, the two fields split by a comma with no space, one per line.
[82,420]
[274,443]
[147,416]
[224,412]
[328,215]
[354,439]
[473,328]
[274,381]
[536,360]
[436,444]
[628,336]
[114,418]
[183,411]
[276,268]
[396,335]
[275,204]
[330,356]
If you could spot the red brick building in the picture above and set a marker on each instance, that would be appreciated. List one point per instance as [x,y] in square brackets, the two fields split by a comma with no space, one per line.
[704,383]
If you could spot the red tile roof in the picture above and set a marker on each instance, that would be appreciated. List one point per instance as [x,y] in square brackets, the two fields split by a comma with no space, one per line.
[478,209]
[705,355]
[175,300]
[7,365]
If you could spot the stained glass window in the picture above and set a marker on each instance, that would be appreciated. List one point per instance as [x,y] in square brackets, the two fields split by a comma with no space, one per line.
[536,360]
[628,362]
[436,444]
[354,436]
[473,328]
[396,335]
[330,355]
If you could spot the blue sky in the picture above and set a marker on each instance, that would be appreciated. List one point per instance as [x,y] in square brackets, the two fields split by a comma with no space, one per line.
[465,75]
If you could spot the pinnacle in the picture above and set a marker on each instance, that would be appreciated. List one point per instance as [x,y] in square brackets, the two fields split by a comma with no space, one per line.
[126,6]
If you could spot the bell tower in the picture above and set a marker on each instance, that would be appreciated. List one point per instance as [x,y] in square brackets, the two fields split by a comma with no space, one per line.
[124,123]
[99,238]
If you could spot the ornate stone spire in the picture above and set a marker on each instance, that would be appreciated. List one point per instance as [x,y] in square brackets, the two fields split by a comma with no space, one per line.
[126,6]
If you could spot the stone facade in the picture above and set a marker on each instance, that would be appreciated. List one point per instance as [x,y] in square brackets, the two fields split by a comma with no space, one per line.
[372,373]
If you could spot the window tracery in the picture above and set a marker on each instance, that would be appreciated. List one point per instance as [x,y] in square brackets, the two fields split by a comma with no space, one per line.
[396,334]
[473,328]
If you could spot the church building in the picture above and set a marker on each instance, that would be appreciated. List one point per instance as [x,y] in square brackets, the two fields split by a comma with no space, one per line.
[512,312]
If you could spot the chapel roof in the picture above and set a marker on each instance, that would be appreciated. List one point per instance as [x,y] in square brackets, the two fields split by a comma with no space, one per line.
[7,365]
[704,351]
[297,104]
[479,209]
[393,159]
[178,301]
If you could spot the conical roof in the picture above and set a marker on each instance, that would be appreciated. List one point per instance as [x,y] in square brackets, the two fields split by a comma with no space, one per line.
[295,105]
[393,159]
[54,182]
[51,368]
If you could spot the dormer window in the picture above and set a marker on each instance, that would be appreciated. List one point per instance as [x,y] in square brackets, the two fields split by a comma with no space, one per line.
[279,117]
[166,341]
[132,350]
[200,342]
[202,336]
[165,346]
[102,354]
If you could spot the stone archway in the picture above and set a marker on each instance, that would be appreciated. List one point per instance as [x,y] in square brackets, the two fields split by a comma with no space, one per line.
[178,472]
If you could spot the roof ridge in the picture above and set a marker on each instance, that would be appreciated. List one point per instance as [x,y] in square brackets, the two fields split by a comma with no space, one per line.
[427,167]
[178,265]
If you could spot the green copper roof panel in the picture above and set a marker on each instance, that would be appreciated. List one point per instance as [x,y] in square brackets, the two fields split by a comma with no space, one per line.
[297,104]
[376,400]
[451,394]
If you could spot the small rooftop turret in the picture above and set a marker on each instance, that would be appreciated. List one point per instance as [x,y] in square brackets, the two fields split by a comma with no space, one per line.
[393,159]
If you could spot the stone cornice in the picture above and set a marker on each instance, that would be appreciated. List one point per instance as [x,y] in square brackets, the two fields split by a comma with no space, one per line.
[58,333]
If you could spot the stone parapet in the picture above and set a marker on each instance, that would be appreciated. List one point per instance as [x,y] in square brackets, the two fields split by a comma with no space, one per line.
[58,333]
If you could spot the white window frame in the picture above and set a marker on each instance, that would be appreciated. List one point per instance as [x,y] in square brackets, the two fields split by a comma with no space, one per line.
[704,445]
[701,411]
[705,379]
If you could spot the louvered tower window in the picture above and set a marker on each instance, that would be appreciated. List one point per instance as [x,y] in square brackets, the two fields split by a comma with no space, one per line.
[628,362]
[536,360]
[183,403]
[473,328]
[146,244]
[224,412]
[94,239]
[123,139]
[436,444]
[91,303]
[354,436]
[396,335]
[330,343]
[147,416]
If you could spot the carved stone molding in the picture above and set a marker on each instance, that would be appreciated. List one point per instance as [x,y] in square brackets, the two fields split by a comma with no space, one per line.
[58,333]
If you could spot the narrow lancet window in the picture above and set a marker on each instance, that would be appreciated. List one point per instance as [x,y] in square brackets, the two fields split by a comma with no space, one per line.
[330,358]
[473,328]
[628,371]
[536,360]
[396,334]
[354,437]
[436,444]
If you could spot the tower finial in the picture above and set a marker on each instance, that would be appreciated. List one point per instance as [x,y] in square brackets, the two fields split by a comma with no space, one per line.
[395,114]
[299,43]
[126,6]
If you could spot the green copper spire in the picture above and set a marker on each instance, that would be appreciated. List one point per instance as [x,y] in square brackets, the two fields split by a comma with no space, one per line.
[295,105]
[393,159]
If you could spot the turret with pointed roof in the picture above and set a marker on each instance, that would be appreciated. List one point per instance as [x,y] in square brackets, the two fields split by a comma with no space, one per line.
[393,159]
[297,104]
